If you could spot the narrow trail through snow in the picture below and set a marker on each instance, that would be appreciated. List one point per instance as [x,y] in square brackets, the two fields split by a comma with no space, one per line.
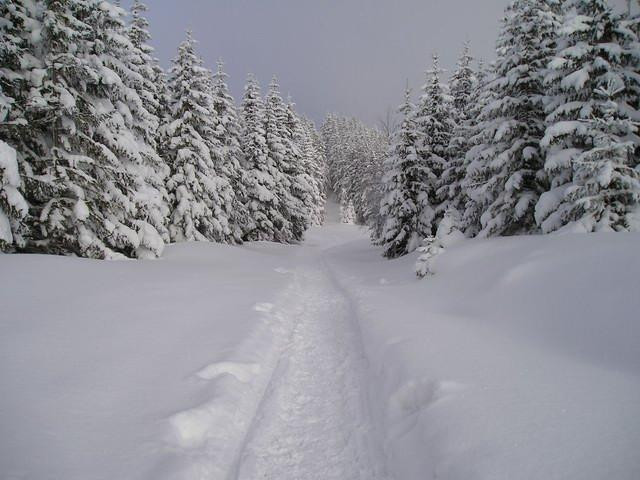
[314,420]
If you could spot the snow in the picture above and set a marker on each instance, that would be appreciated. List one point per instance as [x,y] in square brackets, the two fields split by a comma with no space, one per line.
[67,101]
[95,364]
[517,359]
[576,80]
[563,128]
[5,228]
[81,210]
[8,166]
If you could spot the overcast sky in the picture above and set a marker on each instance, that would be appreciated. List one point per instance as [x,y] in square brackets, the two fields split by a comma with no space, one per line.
[348,56]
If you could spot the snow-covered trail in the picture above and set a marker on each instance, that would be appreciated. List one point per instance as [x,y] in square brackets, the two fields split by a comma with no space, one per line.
[314,420]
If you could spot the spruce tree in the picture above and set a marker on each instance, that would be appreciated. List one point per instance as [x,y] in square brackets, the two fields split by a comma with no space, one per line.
[20,72]
[130,131]
[295,169]
[511,172]
[13,207]
[462,85]
[227,132]
[477,150]
[434,124]
[262,200]
[280,152]
[152,196]
[594,82]
[404,185]
[313,170]
[84,202]
[193,185]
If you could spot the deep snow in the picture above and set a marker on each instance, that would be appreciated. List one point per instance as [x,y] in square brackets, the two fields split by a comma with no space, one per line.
[518,359]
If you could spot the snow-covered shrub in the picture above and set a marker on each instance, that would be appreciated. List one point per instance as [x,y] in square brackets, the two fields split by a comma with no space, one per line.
[446,236]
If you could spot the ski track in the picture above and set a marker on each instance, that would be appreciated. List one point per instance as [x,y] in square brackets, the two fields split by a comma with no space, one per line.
[313,421]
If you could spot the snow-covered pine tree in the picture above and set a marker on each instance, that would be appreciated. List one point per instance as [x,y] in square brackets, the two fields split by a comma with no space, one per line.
[593,168]
[447,236]
[130,131]
[347,164]
[345,151]
[512,164]
[280,154]
[227,133]
[302,184]
[315,169]
[370,152]
[13,207]
[152,197]
[195,188]
[262,175]
[330,138]
[474,159]
[373,188]
[310,177]
[19,73]
[83,204]
[434,124]
[405,184]
[461,88]
[225,199]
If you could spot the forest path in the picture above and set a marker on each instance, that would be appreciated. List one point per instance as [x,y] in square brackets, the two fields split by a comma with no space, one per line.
[314,420]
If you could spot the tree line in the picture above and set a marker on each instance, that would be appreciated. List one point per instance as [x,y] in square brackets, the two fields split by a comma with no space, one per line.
[104,154]
[543,139]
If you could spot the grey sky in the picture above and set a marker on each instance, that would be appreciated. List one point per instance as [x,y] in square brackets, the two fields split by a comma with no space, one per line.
[347,56]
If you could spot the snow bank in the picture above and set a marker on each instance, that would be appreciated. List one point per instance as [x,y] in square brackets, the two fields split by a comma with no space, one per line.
[131,370]
[519,359]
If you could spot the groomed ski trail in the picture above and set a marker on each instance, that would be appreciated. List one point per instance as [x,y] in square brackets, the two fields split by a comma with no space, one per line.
[314,420]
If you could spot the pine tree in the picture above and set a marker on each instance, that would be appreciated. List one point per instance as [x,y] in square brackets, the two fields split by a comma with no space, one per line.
[309,178]
[280,155]
[434,124]
[405,184]
[512,164]
[224,196]
[19,74]
[462,85]
[295,169]
[130,131]
[227,133]
[594,81]
[194,186]
[314,169]
[152,196]
[476,132]
[262,200]
[83,204]
[13,207]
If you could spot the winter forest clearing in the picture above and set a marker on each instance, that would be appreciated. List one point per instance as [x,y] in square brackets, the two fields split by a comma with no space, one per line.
[194,288]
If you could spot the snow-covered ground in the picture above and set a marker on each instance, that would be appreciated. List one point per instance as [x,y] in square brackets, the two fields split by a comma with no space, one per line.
[518,360]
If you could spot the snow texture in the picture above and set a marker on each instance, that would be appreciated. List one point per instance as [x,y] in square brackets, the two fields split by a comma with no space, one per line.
[519,359]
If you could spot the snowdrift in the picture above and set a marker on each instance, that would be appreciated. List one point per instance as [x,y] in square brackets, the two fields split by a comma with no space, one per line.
[117,370]
[518,359]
